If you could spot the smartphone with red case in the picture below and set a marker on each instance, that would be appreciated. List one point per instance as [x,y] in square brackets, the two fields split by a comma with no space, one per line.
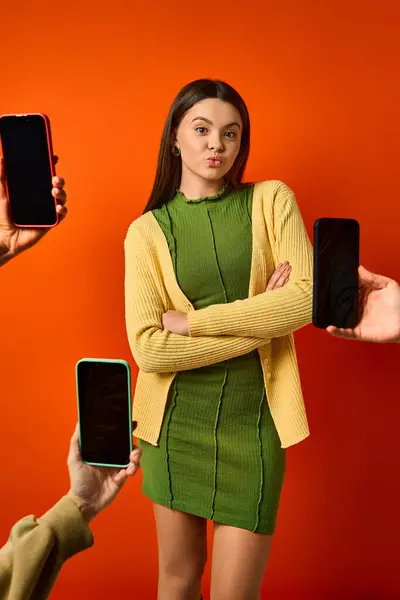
[27,150]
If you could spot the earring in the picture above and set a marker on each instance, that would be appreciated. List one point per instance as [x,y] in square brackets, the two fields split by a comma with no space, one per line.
[176,150]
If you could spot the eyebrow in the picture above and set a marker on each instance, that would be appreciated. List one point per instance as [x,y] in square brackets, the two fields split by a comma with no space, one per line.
[234,123]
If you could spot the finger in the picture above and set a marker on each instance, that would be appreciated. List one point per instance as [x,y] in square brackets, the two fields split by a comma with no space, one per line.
[132,469]
[378,282]
[74,454]
[135,455]
[282,278]
[58,182]
[332,330]
[75,435]
[347,334]
[281,281]
[59,195]
[275,277]
[286,272]
[121,477]
[61,210]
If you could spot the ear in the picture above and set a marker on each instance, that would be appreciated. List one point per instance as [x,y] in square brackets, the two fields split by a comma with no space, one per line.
[174,141]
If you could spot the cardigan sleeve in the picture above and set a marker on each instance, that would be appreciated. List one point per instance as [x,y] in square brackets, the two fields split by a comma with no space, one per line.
[274,313]
[153,348]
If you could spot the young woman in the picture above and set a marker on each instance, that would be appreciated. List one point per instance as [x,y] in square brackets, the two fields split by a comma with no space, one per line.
[218,277]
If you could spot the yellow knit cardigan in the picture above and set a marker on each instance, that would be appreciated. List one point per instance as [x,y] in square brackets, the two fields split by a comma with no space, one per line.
[264,321]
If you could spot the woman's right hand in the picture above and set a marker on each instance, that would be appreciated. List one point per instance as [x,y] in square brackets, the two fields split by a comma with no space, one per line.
[279,277]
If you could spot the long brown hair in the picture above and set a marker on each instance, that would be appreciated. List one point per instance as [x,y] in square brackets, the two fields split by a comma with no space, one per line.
[169,167]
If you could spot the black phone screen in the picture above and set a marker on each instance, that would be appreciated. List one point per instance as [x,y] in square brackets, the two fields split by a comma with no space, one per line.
[26,151]
[104,412]
[336,260]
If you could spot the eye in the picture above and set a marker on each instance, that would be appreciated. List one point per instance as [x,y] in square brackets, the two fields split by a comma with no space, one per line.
[230,134]
[201,130]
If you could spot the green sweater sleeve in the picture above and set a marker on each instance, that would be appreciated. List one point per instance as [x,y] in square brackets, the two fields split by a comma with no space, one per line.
[37,548]
[270,314]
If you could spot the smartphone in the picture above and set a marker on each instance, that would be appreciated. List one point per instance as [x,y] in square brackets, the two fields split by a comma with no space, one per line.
[104,411]
[27,151]
[336,260]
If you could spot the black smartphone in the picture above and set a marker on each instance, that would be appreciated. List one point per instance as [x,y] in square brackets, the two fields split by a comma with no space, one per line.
[29,168]
[104,411]
[336,261]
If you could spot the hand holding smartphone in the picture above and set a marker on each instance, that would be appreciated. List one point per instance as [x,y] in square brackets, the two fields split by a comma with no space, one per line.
[27,151]
[104,411]
[336,261]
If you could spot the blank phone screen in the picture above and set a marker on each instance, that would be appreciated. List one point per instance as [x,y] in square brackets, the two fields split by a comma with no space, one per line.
[104,412]
[25,148]
[336,259]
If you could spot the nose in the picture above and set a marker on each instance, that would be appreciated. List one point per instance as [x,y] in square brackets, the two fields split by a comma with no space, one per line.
[215,143]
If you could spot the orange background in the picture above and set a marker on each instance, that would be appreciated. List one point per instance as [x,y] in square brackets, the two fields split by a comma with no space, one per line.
[322,84]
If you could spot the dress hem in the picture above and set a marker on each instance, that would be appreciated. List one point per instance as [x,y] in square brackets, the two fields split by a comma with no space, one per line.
[217,516]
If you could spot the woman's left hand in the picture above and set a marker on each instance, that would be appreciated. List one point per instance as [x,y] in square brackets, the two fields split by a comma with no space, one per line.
[176,322]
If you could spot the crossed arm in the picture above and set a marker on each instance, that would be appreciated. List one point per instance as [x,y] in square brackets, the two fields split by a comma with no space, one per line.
[219,332]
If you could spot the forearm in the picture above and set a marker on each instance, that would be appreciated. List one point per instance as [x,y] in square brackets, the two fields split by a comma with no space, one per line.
[37,548]
[269,315]
[153,348]
[160,351]
[274,313]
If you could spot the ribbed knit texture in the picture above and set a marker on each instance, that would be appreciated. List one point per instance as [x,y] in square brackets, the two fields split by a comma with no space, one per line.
[219,454]
[265,320]
[37,549]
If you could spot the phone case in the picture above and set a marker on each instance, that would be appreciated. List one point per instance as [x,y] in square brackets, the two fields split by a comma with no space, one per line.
[51,160]
[107,360]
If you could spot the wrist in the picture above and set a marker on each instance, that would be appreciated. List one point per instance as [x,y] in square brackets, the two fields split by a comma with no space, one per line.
[87,510]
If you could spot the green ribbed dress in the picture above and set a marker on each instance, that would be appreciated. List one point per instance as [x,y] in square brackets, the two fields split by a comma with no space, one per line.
[219,454]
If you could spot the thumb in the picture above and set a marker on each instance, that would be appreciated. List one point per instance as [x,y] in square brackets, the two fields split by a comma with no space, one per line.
[377,282]
[3,197]
[74,455]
